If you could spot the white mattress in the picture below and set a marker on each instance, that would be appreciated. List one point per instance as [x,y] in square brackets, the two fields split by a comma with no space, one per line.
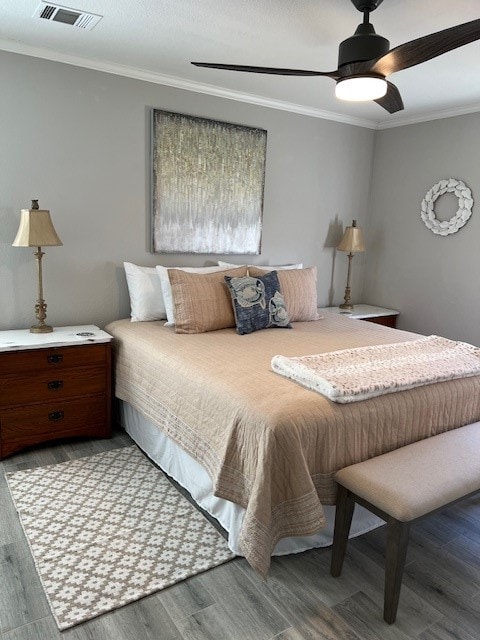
[193,477]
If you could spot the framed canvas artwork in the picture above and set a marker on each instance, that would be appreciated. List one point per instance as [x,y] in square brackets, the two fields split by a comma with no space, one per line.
[207,185]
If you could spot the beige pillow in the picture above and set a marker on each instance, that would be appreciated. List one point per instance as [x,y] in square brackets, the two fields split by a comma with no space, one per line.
[299,290]
[166,289]
[202,301]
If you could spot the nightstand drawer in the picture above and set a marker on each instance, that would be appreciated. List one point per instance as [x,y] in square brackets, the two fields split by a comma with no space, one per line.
[54,359]
[52,420]
[387,321]
[45,386]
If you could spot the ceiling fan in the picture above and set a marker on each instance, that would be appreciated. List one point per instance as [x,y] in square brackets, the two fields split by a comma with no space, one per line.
[365,59]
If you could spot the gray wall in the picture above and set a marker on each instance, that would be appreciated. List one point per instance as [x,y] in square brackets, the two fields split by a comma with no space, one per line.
[431,280]
[78,140]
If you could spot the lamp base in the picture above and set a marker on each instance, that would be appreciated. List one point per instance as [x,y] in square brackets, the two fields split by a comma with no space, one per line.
[41,328]
[345,306]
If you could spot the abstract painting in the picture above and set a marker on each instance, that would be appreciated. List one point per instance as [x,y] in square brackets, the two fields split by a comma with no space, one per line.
[207,185]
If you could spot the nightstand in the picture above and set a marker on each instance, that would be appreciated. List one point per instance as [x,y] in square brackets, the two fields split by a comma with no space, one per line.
[378,315]
[54,385]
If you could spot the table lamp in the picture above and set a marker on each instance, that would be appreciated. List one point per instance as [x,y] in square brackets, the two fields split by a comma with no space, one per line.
[352,242]
[36,230]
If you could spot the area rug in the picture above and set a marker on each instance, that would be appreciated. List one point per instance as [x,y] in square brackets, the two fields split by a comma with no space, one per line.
[109,529]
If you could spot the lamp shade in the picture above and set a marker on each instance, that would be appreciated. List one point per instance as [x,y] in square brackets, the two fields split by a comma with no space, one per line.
[352,241]
[36,229]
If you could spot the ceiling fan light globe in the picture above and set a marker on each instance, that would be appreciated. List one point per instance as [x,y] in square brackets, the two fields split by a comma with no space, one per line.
[361,88]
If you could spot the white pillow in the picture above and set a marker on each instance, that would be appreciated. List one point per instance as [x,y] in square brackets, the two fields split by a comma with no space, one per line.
[229,265]
[146,298]
[162,273]
[278,267]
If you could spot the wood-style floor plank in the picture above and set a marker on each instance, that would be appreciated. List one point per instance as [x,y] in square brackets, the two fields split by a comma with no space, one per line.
[363,569]
[302,607]
[217,623]
[366,616]
[290,634]
[312,568]
[186,598]
[146,620]
[448,566]
[8,518]
[239,606]
[445,630]
[22,599]
[440,598]
[435,531]
[43,629]
[442,593]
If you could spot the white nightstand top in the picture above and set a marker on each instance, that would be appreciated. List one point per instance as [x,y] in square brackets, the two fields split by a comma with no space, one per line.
[21,339]
[361,311]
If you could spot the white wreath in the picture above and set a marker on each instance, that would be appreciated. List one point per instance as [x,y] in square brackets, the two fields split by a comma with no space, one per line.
[465,204]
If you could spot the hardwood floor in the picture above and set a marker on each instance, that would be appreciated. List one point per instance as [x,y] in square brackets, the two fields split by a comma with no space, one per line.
[440,597]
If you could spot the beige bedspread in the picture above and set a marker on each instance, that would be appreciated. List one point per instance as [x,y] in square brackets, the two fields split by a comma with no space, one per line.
[268,444]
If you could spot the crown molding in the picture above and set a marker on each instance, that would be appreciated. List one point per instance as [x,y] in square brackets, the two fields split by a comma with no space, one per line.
[179,83]
[14,46]
[427,117]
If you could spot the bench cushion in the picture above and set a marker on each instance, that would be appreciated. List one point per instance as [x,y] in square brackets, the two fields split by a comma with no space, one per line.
[416,479]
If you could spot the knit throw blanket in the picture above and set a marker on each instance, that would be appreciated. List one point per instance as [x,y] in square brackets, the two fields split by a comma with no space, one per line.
[365,372]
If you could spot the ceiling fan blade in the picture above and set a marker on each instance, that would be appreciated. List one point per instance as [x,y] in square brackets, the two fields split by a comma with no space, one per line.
[267,70]
[422,49]
[392,100]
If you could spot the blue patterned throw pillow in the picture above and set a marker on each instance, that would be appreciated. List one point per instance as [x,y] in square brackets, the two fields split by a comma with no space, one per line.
[258,303]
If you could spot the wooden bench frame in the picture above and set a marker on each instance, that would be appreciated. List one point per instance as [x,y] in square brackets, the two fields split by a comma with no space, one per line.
[396,550]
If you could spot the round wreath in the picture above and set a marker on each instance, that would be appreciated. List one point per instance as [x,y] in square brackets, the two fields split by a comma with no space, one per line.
[465,204]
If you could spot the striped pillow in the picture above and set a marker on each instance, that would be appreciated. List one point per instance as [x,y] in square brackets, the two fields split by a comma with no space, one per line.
[299,290]
[202,301]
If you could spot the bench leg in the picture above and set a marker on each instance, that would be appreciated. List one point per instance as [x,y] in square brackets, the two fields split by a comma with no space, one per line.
[343,520]
[397,542]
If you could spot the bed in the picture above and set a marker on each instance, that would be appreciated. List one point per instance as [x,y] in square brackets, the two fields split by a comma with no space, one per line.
[257,450]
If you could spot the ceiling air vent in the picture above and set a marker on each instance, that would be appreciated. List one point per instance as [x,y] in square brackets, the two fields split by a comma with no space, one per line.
[66,15]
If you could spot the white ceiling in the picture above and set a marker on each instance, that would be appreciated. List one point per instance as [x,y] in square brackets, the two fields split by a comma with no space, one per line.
[156,40]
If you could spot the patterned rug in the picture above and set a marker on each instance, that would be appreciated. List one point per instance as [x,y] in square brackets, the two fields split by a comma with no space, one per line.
[109,529]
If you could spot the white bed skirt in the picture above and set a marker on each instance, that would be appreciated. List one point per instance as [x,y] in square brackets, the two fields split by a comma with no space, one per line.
[193,477]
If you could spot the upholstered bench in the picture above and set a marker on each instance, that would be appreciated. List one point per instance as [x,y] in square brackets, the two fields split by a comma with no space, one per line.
[402,486]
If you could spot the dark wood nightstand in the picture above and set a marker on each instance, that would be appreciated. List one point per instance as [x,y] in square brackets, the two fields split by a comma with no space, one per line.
[54,385]
[378,315]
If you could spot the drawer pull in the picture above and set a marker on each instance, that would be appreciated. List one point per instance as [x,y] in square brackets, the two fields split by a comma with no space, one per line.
[55,359]
[55,416]
[53,385]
